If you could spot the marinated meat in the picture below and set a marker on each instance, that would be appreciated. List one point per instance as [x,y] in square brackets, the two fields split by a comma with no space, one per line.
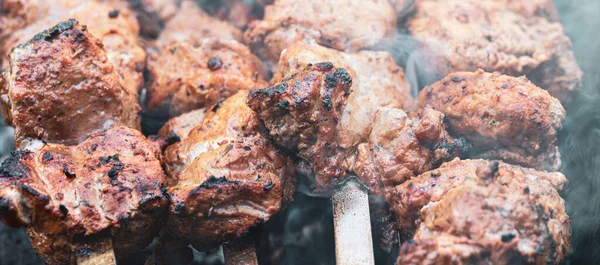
[187,77]
[111,182]
[483,212]
[61,87]
[113,23]
[512,37]
[329,23]
[403,145]
[304,115]
[226,176]
[182,125]
[505,117]
[192,25]
[377,82]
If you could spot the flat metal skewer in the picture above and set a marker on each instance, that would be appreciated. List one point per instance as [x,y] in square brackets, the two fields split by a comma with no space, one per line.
[352,224]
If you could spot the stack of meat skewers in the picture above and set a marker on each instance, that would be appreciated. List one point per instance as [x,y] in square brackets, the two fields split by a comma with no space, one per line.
[468,168]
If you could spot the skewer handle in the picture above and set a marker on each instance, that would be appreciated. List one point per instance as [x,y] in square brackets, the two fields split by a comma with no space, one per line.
[96,252]
[352,224]
[240,251]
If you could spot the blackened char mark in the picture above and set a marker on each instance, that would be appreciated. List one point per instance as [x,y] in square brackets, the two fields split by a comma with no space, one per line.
[12,167]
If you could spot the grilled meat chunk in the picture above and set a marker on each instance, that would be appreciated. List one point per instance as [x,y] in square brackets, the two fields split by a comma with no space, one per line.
[112,181]
[182,28]
[305,114]
[187,77]
[483,212]
[182,125]
[302,114]
[328,23]
[403,145]
[377,82]
[118,34]
[504,117]
[505,36]
[225,177]
[61,87]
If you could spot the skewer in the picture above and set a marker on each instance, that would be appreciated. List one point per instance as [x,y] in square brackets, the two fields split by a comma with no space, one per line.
[240,251]
[352,224]
[96,252]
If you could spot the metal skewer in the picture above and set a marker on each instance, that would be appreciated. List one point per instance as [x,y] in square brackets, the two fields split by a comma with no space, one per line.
[352,224]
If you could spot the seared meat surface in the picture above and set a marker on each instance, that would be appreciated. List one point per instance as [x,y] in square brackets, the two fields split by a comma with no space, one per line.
[110,21]
[182,125]
[191,24]
[187,77]
[512,37]
[329,23]
[377,82]
[505,117]
[483,212]
[402,145]
[304,114]
[111,182]
[61,86]
[226,176]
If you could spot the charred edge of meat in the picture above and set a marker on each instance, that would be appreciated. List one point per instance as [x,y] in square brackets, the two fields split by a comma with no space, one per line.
[33,192]
[331,81]
[108,159]
[164,141]
[270,91]
[217,105]
[459,147]
[12,167]
[214,182]
[53,32]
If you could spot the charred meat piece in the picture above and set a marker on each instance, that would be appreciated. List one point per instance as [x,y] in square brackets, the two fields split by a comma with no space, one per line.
[191,24]
[505,36]
[112,181]
[504,117]
[61,87]
[483,212]
[225,177]
[112,22]
[302,114]
[328,23]
[377,82]
[306,113]
[403,145]
[187,77]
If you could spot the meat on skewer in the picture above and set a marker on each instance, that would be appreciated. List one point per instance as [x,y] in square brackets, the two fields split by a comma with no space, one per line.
[328,23]
[111,183]
[61,86]
[304,113]
[483,212]
[225,177]
[511,37]
[505,117]
[185,77]
[112,22]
